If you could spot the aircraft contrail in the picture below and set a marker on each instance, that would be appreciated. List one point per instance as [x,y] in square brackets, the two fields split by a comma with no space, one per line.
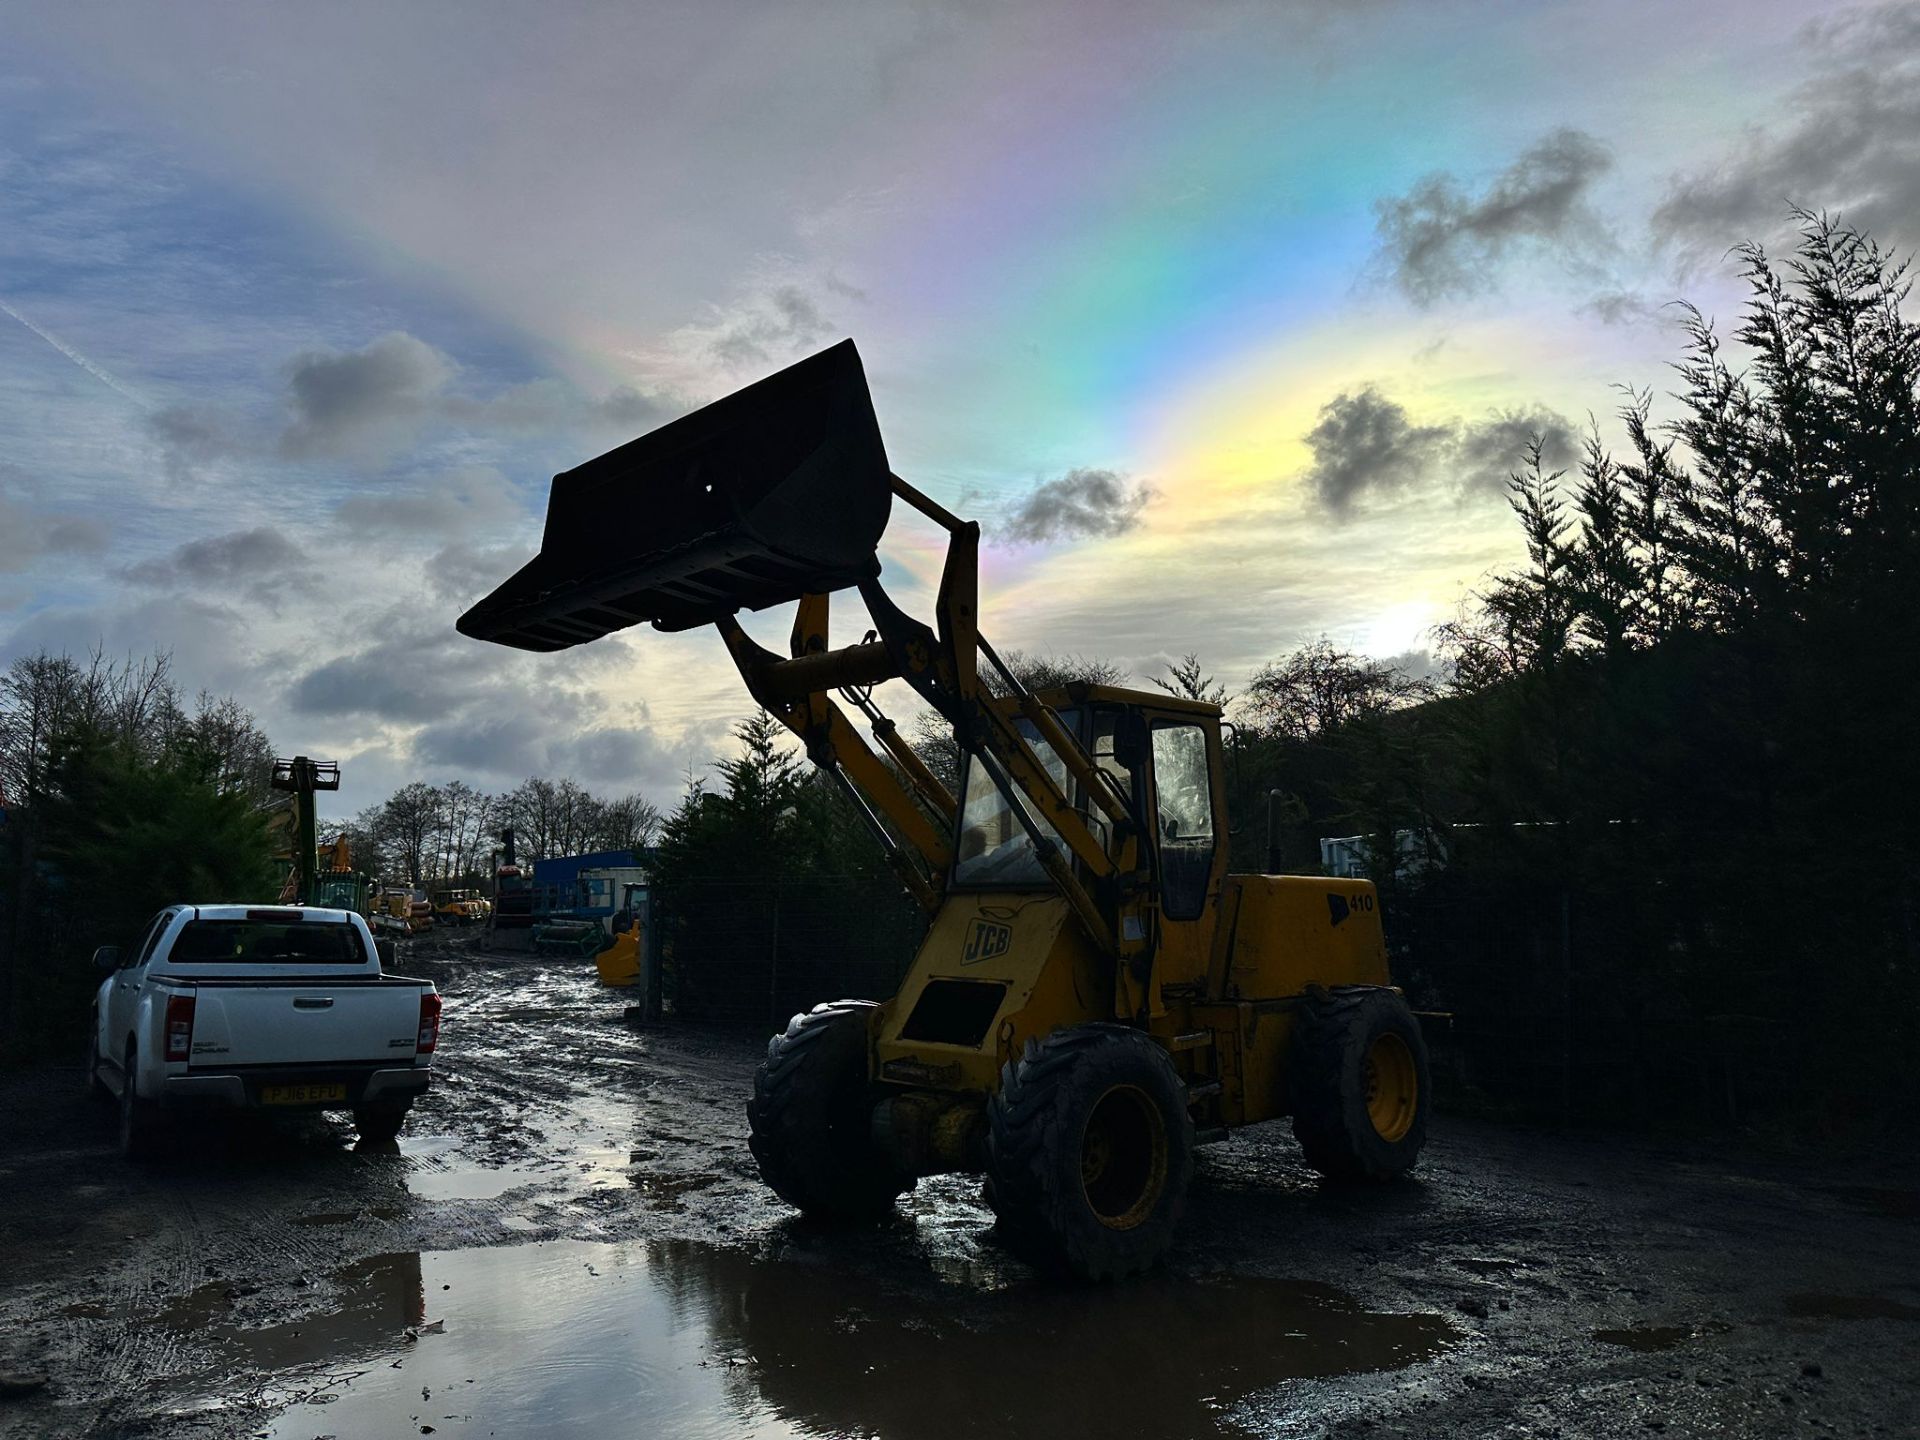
[75,356]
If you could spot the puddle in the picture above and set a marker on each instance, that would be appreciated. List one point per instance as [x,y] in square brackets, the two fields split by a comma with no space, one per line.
[433,1175]
[1850,1307]
[574,1338]
[1649,1338]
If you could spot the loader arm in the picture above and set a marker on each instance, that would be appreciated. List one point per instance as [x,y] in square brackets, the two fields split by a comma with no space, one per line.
[780,493]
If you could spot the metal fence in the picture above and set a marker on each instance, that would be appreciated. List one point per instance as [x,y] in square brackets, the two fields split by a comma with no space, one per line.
[1607,1004]
[1579,1008]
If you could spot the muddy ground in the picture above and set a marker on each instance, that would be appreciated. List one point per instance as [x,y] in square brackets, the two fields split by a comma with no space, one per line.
[569,1240]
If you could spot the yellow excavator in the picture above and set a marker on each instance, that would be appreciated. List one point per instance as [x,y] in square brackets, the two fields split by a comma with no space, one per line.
[1095,995]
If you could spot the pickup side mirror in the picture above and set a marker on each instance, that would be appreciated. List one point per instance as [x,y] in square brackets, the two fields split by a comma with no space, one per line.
[383,951]
[107,959]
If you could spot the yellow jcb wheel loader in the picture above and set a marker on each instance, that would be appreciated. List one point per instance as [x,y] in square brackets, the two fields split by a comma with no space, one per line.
[1095,995]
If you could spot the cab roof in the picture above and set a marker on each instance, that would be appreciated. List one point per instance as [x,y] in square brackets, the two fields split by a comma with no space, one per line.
[1079,692]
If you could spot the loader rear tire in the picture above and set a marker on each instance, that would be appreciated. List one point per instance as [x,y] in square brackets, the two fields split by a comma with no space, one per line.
[1359,1082]
[811,1118]
[1089,1151]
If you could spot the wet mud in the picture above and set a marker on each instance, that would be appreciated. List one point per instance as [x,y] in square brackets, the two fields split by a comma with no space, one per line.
[570,1240]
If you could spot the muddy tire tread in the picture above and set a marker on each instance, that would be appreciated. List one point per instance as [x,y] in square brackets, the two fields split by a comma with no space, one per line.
[841,1178]
[1028,1121]
[1326,1079]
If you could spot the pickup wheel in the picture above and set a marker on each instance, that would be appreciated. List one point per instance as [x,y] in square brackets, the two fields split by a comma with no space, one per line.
[380,1122]
[142,1127]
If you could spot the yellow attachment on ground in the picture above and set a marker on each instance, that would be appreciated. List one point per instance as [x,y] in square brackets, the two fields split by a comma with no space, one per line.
[619,964]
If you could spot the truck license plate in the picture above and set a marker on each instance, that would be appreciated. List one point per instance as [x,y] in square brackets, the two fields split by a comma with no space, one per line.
[301,1094]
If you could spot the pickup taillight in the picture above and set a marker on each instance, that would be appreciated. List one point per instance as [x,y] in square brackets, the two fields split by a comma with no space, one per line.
[429,1024]
[179,1027]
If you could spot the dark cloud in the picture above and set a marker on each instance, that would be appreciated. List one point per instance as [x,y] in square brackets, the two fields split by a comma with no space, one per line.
[76,535]
[1848,140]
[408,675]
[29,531]
[1080,504]
[498,744]
[27,536]
[1622,307]
[460,574]
[342,399]
[1438,240]
[1364,445]
[262,564]
[191,436]
[360,404]
[508,741]
[1488,451]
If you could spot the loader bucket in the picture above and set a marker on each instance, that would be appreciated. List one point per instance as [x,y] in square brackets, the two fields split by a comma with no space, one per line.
[777,491]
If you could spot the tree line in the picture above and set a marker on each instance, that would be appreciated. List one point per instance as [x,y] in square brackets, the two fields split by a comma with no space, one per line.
[1652,838]
[121,797]
[446,834]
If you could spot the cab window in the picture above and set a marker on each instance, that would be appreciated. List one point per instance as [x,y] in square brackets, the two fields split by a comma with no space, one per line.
[138,957]
[1183,800]
[994,848]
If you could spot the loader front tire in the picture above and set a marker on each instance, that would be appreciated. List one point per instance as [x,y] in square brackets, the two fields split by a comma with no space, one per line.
[811,1118]
[1359,1082]
[1089,1151]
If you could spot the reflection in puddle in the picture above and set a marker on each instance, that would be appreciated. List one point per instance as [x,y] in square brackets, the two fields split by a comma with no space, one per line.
[432,1175]
[574,1338]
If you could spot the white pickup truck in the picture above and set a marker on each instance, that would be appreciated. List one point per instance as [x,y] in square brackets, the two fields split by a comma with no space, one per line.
[236,1006]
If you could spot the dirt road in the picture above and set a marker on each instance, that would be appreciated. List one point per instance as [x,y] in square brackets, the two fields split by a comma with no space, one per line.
[570,1240]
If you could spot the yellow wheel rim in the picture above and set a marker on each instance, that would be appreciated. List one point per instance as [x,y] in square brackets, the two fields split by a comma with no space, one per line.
[1392,1087]
[1123,1158]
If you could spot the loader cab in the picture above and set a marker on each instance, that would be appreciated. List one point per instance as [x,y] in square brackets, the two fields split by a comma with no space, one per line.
[1160,753]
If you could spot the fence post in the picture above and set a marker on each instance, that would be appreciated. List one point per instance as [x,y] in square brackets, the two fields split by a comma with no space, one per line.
[1566,1008]
[773,965]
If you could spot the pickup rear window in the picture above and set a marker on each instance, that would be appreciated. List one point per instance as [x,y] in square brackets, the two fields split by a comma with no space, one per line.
[265,942]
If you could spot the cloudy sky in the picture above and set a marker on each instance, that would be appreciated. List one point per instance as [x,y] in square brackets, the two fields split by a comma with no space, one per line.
[1226,319]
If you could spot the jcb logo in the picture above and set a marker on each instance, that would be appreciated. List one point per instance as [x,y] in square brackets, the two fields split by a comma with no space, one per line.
[985,940]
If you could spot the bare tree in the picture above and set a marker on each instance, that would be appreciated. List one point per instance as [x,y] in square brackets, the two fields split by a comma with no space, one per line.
[1320,686]
[409,822]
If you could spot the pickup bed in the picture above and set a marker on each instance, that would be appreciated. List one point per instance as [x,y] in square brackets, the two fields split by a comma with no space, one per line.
[234,1006]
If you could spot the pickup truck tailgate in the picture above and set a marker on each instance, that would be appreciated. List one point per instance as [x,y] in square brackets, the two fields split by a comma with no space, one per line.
[297,1022]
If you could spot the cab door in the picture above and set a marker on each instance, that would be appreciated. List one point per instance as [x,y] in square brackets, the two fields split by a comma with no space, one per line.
[1189,844]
